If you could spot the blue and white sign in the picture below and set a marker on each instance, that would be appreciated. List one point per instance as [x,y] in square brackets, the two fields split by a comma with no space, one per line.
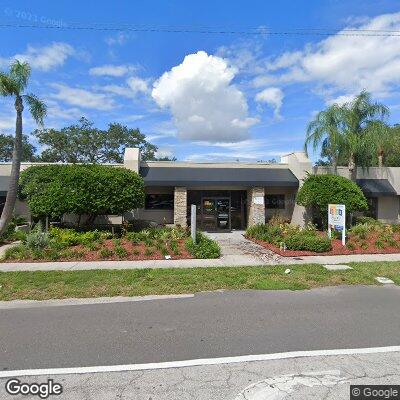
[337,220]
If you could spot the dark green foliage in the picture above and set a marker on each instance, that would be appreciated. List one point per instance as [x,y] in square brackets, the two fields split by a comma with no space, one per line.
[204,247]
[308,242]
[106,253]
[83,143]
[320,190]
[54,190]
[290,236]
[7,145]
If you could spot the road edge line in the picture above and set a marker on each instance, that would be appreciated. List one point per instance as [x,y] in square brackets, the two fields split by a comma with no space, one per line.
[197,362]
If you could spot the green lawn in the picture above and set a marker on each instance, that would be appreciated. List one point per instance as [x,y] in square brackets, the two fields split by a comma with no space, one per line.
[96,283]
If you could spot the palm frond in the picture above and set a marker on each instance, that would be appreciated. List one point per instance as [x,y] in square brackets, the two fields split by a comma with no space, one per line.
[20,73]
[37,108]
[8,87]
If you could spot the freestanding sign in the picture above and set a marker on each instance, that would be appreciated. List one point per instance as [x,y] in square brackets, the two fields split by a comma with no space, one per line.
[337,220]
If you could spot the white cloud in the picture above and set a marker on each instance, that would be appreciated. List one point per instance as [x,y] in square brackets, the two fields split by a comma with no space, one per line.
[7,122]
[203,101]
[272,96]
[45,58]
[55,111]
[111,70]
[82,97]
[138,85]
[119,90]
[346,64]
[118,39]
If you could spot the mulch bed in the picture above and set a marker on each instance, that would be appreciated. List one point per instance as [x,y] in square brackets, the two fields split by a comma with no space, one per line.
[131,248]
[337,248]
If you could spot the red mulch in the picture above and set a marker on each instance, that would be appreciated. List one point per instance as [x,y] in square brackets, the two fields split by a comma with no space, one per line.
[337,247]
[94,255]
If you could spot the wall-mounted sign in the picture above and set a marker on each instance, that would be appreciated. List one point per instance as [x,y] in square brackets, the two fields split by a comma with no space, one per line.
[337,220]
[258,200]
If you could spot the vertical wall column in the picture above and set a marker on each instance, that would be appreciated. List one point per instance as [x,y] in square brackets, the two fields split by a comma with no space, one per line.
[180,206]
[255,206]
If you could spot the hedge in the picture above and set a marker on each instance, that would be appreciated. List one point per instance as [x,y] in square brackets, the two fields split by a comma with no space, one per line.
[54,190]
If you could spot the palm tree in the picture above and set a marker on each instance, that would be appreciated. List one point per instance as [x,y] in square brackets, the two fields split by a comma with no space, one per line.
[325,131]
[13,84]
[379,135]
[358,115]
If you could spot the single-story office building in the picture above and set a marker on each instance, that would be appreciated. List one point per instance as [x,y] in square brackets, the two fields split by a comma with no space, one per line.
[234,195]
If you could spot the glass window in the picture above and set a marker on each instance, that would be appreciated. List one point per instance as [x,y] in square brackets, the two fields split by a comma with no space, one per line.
[163,201]
[275,201]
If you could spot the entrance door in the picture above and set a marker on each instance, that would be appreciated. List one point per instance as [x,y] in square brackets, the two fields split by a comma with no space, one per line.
[215,214]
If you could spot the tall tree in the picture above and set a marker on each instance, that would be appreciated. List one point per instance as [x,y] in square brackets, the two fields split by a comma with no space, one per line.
[83,143]
[14,84]
[325,131]
[7,146]
[358,115]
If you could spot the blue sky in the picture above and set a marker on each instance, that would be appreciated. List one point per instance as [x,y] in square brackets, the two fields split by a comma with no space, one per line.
[203,96]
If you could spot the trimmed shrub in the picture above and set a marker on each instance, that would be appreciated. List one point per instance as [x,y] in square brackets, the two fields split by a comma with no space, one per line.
[203,248]
[54,190]
[307,242]
[320,190]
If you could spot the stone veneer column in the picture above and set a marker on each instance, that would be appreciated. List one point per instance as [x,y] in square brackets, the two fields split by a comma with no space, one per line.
[255,211]
[180,206]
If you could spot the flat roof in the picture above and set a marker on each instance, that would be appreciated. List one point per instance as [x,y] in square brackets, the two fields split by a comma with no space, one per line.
[376,187]
[248,177]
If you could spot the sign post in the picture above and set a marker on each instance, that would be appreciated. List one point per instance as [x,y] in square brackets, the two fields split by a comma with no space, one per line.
[337,220]
[193,222]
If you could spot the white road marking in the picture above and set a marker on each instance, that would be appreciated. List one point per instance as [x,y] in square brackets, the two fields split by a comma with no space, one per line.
[197,362]
[4,305]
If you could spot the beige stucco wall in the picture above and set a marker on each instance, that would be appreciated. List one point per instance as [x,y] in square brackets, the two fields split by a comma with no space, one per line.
[300,165]
[290,202]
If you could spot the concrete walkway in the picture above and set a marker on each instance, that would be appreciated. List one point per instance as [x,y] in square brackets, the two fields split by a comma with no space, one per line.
[236,251]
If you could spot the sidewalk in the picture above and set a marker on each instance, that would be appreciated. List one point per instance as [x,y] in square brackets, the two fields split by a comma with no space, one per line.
[265,258]
[236,251]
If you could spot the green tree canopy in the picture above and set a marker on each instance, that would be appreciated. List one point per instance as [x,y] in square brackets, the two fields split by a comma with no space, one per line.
[54,190]
[320,190]
[83,143]
[7,146]
[352,134]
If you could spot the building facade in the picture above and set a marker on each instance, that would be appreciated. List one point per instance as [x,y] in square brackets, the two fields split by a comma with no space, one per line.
[234,195]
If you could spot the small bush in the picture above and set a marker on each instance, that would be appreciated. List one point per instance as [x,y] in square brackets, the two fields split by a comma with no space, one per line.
[105,253]
[350,245]
[380,244]
[148,252]
[18,252]
[37,239]
[120,251]
[204,247]
[301,241]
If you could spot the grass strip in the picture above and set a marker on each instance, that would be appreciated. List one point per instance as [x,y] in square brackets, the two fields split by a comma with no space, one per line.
[41,285]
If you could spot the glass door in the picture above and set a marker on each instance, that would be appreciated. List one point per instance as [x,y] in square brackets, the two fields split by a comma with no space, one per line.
[223,214]
[215,214]
[208,214]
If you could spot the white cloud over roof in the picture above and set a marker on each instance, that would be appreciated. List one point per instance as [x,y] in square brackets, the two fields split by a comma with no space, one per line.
[203,101]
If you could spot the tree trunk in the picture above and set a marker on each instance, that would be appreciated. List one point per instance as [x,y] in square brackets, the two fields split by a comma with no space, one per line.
[11,198]
[352,167]
[380,158]
[334,164]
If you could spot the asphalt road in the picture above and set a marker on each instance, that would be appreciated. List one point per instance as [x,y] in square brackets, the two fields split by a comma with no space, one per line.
[207,325]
